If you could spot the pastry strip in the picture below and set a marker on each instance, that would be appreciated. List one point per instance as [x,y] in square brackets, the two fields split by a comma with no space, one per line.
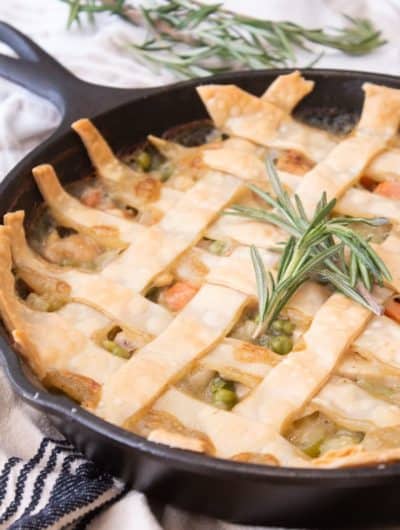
[381,341]
[134,189]
[293,382]
[197,328]
[69,211]
[244,435]
[179,229]
[239,157]
[117,302]
[389,252]
[381,167]
[239,113]
[354,408]
[363,203]
[84,318]
[286,91]
[340,398]
[343,166]
[385,166]
[355,367]
[245,231]
[237,270]
[47,340]
[356,456]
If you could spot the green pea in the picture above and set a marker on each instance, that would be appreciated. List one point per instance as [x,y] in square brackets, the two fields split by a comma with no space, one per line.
[277,326]
[144,160]
[217,247]
[166,172]
[283,326]
[281,344]
[116,349]
[225,398]
[313,450]
[288,327]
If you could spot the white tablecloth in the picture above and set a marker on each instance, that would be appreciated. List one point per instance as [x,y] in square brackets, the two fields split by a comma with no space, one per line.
[97,54]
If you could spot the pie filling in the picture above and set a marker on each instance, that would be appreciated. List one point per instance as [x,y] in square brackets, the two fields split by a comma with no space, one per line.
[133,293]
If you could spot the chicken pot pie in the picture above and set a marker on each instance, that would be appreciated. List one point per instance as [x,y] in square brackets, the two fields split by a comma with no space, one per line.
[134,295]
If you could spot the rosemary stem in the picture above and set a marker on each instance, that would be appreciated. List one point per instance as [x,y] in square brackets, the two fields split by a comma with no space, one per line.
[322,248]
[234,41]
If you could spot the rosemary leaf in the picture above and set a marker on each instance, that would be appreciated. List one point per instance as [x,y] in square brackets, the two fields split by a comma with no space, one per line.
[323,248]
[261,280]
[353,270]
[235,41]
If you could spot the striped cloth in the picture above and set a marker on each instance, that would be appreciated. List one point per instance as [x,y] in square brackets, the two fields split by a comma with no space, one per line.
[56,486]
[44,482]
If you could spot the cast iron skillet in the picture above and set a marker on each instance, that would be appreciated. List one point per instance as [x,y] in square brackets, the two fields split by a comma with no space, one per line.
[234,491]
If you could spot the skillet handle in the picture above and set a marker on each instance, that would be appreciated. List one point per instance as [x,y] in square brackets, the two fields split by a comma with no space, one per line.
[40,73]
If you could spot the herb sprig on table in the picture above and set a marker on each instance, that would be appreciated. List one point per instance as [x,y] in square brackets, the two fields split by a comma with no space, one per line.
[323,248]
[194,39]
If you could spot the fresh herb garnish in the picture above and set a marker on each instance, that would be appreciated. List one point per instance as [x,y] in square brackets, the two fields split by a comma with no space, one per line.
[321,248]
[194,39]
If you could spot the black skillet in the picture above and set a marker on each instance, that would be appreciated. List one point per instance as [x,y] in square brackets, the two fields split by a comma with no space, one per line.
[234,491]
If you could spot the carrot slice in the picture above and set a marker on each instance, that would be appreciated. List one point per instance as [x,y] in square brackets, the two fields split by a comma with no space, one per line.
[389,189]
[392,309]
[178,295]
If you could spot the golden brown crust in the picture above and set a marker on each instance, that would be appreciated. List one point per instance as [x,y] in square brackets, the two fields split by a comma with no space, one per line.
[380,116]
[286,91]
[11,309]
[98,149]
[355,456]
[154,420]
[81,389]
[131,188]
[69,211]
[293,162]
[252,353]
[167,148]
[22,254]
[256,458]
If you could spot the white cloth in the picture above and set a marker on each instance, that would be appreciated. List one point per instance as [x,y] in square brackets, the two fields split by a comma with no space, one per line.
[98,54]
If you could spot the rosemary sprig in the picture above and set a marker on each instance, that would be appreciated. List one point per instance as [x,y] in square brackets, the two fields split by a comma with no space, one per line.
[316,249]
[92,8]
[195,39]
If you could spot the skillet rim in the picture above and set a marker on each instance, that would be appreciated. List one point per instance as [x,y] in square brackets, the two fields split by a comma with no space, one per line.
[65,408]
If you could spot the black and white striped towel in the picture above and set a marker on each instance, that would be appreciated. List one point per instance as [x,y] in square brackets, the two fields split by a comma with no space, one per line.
[45,483]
